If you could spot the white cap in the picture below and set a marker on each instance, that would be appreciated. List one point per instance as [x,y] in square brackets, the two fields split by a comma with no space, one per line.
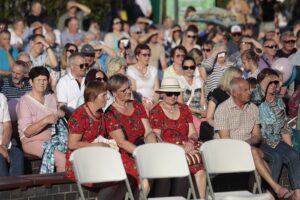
[236,29]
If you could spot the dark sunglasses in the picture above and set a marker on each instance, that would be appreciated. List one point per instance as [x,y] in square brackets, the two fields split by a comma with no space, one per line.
[207,50]
[289,41]
[275,82]
[102,79]
[271,46]
[192,67]
[83,65]
[170,94]
[180,56]
[138,32]
[191,36]
[97,49]
[72,50]
[146,54]
[236,34]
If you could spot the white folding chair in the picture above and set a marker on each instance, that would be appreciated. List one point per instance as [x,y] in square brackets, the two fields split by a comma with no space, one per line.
[222,156]
[162,160]
[97,165]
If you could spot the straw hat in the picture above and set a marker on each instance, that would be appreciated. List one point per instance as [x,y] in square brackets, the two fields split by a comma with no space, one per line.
[170,85]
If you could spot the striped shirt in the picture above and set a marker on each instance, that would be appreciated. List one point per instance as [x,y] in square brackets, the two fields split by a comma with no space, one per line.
[239,122]
[215,72]
[8,88]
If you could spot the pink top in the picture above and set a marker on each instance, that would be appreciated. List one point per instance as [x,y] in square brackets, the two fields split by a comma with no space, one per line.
[30,111]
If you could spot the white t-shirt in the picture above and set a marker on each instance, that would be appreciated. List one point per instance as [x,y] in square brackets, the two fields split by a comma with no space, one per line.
[144,83]
[4,114]
[68,91]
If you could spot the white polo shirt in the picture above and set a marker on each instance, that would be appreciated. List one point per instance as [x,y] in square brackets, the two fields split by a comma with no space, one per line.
[68,91]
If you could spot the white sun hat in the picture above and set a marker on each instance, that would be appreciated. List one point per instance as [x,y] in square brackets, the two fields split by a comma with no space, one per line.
[170,84]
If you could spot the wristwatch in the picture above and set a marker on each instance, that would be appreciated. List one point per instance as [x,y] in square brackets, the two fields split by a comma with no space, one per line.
[6,146]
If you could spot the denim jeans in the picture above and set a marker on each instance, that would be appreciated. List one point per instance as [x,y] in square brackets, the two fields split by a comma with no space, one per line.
[16,165]
[283,154]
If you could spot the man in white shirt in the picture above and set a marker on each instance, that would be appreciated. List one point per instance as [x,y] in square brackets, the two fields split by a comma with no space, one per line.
[71,86]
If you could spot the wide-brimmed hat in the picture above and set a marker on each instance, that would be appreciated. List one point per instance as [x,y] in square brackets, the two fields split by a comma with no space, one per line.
[169,85]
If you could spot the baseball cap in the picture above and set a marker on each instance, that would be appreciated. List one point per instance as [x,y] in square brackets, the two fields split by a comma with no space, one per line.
[87,50]
[235,29]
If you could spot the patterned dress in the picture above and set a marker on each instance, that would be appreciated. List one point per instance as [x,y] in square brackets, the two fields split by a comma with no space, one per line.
[81,123]
[134,128]
[173,131]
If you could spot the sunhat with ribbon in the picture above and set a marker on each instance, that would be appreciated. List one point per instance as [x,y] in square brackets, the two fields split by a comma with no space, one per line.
[169,85]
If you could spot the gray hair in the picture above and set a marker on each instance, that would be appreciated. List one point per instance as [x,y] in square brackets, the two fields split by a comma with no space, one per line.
[73,57]
[234,84]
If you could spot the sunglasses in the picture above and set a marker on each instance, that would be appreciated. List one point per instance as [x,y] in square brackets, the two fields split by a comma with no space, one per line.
[236,34]
[207,50]
[102,79]
[191,36]
[170,94]
[123,91]
[145,54]
[139,32]
[180,55]
[192,67]
[275,82]
[249,43]
[72,50]
[271,46]
[289,41]
[83,65]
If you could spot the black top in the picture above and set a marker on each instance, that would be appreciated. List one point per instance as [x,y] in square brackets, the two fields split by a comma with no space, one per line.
[281,54]
[218,96]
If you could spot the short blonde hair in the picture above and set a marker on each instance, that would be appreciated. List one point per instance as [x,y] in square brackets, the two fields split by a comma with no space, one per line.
[229,74]
[114,64]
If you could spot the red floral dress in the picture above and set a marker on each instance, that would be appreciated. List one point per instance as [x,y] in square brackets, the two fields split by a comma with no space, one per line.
[134,129]
[81,123]
[173,131]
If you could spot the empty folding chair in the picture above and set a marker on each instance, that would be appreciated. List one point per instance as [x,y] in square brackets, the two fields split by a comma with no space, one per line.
[97,165]
[162,160]
[222,156]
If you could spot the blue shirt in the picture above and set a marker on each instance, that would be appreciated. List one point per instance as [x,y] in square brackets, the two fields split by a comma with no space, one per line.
[4,65]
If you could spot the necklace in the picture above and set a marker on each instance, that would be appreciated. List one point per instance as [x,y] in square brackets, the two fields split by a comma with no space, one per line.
[171,110]
[119,105]
[93,115]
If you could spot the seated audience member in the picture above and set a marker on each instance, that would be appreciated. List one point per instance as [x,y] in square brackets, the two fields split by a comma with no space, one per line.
[8,54]
[193,94]
[127,123]
[23,56]
[190,38]
[17,31]
[116,65]
[263,79]
[237,119]
[67,51]
[215,98]
[216,65]
[72,33]
[102,54]
[250,60]
[89,56]
[71,86]
[197,55]
[288,41]
[177,55]
[87,128]
[144,77]
[37,115]
[173,122]
[269,54]
[276,137]
[11,157]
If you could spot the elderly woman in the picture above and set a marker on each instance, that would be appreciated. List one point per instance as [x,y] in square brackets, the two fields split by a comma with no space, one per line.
[276,137]
[193,95]
[127,122]
[144,78]
[116,65]
[37,113]
[174,123]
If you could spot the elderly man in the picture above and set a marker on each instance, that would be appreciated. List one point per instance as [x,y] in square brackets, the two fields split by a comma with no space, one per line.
[71,86]
[72,34]
[288,41]
[237,119]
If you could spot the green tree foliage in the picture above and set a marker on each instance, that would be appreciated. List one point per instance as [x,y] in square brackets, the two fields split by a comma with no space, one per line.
[10,9]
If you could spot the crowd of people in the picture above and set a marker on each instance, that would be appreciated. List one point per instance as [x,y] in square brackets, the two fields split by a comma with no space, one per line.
[63,88]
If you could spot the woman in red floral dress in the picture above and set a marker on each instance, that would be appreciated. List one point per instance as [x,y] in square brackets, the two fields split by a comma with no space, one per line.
[174,123]
[127,122]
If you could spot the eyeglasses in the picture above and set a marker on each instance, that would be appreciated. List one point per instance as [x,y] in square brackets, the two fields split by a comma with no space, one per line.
[170,94]
[117,22]
[124,90]
[271,46]
[139,32]
[97,49]
[146,54]
[207,50]
[275,82]
[192,67]
[289,41]
[191,36]
[236,34]
[81,66]
[72,50]
[180,55]
[102,79]
[249,43]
